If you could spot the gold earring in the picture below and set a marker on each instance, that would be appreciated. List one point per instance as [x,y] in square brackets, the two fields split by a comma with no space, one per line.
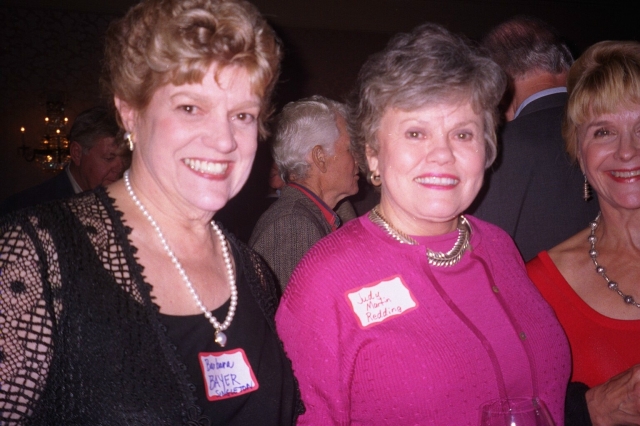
[374,178]
[128,137]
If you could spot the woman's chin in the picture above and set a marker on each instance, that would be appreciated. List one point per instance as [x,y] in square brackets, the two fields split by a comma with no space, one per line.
[210,203]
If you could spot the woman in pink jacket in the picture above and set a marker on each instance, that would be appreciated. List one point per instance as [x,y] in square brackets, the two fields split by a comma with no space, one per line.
[414,313]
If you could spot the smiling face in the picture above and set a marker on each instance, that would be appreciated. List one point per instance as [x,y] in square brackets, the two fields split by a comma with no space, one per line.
[431,162]
[195,143]
[609,154]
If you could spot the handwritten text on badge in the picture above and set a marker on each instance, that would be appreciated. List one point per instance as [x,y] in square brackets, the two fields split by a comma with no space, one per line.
[227,374]
[379,302]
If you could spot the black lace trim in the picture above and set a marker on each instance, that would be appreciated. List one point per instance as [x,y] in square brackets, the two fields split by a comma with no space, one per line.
[191,412]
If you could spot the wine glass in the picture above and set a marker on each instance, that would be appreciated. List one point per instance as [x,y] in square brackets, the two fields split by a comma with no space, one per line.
[515,412]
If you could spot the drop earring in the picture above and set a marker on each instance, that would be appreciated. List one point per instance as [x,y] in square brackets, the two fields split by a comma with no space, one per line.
[374,179]
[586,190]
[129,139]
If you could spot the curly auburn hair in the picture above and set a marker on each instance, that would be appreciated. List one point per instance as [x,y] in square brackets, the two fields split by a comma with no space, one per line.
[176,41]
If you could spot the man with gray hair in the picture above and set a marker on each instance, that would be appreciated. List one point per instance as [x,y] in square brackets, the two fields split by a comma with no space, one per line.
[311,147]
[533,191]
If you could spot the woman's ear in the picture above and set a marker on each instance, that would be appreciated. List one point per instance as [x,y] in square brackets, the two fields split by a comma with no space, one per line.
[372,158]
[127,113]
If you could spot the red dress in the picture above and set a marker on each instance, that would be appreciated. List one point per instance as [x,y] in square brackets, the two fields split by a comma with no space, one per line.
[601,347]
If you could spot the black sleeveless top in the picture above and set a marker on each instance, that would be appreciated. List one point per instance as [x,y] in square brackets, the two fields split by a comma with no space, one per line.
[273,402]
[83,342]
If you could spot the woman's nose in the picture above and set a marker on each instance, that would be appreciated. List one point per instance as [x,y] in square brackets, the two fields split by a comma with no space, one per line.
[221,135]
[628,146]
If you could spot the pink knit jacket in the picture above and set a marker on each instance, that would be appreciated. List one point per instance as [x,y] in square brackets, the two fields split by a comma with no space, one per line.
[377,336]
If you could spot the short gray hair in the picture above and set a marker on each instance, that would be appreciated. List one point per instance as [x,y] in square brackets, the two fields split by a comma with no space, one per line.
[524,44]
[300,126]
[428,66]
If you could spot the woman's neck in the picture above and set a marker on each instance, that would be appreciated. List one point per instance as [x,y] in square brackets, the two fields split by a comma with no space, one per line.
[410,225]
[619,229]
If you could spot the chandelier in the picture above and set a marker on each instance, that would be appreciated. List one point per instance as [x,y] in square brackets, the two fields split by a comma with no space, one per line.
[53,151]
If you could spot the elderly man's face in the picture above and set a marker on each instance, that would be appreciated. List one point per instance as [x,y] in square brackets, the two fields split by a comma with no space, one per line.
[101,165]
[342,170]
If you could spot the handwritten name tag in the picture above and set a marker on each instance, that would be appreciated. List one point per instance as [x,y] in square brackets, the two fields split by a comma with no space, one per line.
[382,301]
[227,374]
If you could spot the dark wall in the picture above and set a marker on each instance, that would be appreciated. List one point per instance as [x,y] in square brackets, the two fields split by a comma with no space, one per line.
[45,55]
[52,53]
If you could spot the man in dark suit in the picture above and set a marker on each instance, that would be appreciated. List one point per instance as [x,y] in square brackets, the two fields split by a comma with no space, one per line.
[534,192]
[95,160]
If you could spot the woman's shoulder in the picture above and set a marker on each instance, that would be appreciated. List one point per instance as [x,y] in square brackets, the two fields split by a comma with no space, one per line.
[87,203]
[43,222]
[40,214]
[564,254]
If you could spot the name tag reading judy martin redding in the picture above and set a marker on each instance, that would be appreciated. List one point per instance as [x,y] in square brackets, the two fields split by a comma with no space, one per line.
[227,374]
[378,302]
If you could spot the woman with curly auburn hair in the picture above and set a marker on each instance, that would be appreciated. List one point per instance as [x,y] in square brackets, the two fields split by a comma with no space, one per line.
[128,304]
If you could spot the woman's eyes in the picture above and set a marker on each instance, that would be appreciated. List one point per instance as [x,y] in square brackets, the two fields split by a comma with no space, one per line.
[245,117]
[462,136]
[601,132]
[190,109]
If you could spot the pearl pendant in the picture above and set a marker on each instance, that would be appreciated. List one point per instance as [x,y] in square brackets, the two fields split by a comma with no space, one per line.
[221,338]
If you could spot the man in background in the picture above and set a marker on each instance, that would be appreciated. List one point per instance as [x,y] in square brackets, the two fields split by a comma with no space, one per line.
[95,160]
[534,192]
[312,151]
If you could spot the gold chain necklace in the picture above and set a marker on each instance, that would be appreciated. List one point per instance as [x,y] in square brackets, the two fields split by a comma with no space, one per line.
[435,258]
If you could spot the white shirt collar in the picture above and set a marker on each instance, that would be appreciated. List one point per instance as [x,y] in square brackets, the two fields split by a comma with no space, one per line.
[76,187]
[539,95]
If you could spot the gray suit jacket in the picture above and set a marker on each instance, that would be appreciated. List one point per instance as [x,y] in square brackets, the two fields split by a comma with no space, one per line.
[286,231]
[533,191]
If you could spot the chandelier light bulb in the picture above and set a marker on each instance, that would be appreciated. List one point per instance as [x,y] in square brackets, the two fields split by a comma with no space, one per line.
[52,151]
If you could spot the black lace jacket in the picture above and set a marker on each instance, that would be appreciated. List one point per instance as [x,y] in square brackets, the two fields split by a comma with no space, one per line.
[80,341]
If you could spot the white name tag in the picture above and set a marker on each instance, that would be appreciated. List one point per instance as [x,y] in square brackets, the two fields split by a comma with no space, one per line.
[227,374]
[373,304]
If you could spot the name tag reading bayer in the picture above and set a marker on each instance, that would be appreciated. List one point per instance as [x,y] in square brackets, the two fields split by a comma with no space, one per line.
[227,374]
[380,301]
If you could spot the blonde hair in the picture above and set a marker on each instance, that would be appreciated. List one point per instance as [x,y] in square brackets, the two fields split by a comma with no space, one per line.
[606,76]
[176,41]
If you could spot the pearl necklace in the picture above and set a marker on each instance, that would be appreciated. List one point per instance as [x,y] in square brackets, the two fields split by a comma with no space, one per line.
[449,258]
[220,337]
[600,269]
